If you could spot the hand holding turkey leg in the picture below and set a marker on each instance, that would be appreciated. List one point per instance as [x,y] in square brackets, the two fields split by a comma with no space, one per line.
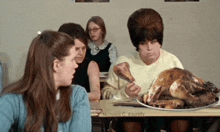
[122,70]
[132,90]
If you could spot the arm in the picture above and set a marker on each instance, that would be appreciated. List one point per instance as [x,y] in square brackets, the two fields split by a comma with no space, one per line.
[109,92]
[113,53]
[115,87]
[81,118]
[93,73]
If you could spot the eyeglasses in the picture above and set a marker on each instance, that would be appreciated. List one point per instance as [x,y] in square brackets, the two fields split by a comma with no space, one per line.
[94,30]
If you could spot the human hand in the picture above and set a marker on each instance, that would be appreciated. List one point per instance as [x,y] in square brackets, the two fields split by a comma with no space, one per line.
[132,90]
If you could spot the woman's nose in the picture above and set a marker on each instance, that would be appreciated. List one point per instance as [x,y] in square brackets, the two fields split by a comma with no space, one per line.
[80,51]
[149,47]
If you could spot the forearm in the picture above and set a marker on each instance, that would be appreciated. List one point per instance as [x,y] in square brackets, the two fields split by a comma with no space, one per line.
[94,95]
[109,92]
[93,73]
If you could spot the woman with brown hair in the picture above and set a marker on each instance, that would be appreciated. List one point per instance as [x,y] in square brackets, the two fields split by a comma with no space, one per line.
[87,74]
[100,50]
[44,99]
[146,30]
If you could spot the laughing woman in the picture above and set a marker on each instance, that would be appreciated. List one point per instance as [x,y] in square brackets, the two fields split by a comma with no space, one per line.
[44,99]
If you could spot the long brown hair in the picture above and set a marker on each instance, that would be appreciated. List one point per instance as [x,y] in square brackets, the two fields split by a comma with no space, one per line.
[37,84]
[100,22]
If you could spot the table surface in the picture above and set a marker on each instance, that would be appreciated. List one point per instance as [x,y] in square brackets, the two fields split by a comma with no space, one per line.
[114,108]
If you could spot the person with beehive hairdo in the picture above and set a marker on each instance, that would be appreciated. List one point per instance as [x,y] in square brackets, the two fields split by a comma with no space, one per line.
[146,29]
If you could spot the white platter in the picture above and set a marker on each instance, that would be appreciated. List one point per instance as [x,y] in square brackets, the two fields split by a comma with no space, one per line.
[177,110]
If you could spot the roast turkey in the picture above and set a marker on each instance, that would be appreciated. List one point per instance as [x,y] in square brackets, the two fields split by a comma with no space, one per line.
[174,89]
[180,84]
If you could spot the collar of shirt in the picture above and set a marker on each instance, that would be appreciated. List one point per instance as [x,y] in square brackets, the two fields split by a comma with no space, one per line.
[95,49]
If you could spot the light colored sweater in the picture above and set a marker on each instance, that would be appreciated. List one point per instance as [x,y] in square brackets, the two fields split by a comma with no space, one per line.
[144,74]
[13,110]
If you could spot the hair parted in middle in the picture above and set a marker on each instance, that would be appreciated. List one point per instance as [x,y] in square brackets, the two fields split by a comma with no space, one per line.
[100,22]
[145,24]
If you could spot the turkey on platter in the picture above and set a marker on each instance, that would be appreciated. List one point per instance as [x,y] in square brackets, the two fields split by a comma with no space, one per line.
[175,89]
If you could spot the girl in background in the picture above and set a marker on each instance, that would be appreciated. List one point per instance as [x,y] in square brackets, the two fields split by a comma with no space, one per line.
[100,50]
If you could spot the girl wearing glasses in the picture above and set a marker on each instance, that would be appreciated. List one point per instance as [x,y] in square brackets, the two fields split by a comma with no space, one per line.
[100,50]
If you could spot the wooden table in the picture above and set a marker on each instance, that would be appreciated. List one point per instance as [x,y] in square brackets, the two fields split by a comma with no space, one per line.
[111,109]
[108,109]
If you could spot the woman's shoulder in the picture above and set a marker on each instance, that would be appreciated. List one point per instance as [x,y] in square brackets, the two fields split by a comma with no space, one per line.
[79,95]
[170,59]
[11,97]
[12,103]
[112,46]
[127,57]
[167,54]
[93,66]
[78,91]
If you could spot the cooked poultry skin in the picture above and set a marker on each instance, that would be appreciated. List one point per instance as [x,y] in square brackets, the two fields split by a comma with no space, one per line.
[122,70]
[174,88]
[181,84]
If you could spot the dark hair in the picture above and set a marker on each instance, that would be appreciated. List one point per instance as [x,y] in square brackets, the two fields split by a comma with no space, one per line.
[37,85]
[74,30]
[145,24]
[100,22]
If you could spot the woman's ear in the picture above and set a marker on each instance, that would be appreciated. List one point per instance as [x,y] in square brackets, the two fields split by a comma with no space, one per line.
[55,65]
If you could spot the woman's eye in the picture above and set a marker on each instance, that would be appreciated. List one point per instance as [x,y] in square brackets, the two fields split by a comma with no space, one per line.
[142,43]
[154,41]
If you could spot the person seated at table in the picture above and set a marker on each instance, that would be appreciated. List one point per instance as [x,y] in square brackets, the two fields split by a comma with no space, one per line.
[44,99]
[145,28]
[87,74]
[100,50]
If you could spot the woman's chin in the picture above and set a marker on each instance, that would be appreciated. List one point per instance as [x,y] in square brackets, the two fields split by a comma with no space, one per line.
[79,61]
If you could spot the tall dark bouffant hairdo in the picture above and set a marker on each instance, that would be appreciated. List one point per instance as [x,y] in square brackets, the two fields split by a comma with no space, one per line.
[37,85]
[145,24]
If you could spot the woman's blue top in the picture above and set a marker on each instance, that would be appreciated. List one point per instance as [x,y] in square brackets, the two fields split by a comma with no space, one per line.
[13,111]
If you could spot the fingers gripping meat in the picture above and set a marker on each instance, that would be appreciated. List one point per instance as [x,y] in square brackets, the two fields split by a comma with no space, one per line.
[174,88]
[122,70]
